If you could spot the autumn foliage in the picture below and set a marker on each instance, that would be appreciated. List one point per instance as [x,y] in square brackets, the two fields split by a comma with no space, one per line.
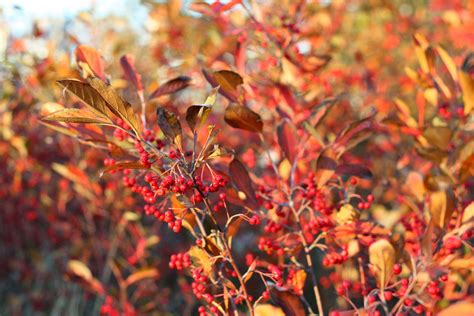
[241,158]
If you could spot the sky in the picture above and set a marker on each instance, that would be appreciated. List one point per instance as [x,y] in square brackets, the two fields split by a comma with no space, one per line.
[19,13]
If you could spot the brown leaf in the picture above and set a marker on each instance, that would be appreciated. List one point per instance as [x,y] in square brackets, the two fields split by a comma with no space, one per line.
[147,273]
[76,116]
[196,115]
[441,207]
[241,117]
[228,82]
[287,139]
[438,136]
[242,181]
[289,302]
[101,98]
[359,170]
[170,126]
[123,165]
[171,86]
[128,65]
[91,57]
[382,258]
[116,104]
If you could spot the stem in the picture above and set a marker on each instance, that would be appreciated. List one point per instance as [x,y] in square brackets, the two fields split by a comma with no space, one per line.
[309,262]
[239,276]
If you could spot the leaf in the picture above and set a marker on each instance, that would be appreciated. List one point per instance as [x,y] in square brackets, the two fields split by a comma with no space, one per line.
[76,116]
[448,62]
[287,139]
[242,181]
[289,302]
[170,126]
[116,104]
[79,269]
[147,273]
[241,117]
[347,214]
[92,58]
[227,81]
[101,98]
[325,166]
[201,259]
[438,136]
[461,308]
[268,310]
[468,213]
[466,80]
[356,170]
[441,207]
[299,280]
[171,86]
[128,65]
[196,115]
[382,258]
[123,165]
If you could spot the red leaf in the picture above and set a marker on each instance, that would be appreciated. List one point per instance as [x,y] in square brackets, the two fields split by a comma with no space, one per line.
[128,65]
[287,139]
[241,179]
[91,57]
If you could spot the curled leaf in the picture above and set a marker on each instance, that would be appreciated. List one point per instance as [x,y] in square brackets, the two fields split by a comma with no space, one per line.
[466,80]
[170,126]
[241,117]
[196,115]
[147,273]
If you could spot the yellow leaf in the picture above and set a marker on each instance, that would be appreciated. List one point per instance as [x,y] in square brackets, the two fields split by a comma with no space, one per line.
[467,85]
[79,269]
[268,310]
[462,308]
[441,207]
[201,259]
[346,214]
[468,213]
[382,258]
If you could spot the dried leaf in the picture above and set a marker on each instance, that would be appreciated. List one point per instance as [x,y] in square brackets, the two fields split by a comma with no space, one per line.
[468,213]
[241,117]
[171,86]
[170,126]
[382,258]
[196,115]
[287,139]
[128,65]
[76,116]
